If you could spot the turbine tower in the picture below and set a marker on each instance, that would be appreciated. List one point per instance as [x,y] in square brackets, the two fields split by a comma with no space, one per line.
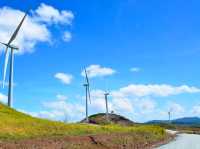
[87,94]
[106,101]
[169,114]
[12,48]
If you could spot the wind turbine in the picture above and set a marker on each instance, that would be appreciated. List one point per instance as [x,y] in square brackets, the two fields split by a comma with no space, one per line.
[106,101]
[12,48]
[87,94]
[169,114]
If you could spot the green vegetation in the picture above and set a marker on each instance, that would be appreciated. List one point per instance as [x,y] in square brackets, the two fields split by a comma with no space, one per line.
[16,125]
[192,129]
[167,126]
[187,129]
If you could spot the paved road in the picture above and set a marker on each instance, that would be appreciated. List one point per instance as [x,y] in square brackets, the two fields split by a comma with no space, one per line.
[184,141]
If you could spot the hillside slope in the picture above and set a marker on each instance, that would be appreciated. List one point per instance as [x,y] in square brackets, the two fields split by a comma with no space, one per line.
[17,125]
[19,130]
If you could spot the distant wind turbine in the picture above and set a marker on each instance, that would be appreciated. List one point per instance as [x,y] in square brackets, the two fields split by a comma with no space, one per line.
[106,101]
[169,114]
[87,94]
[12,47]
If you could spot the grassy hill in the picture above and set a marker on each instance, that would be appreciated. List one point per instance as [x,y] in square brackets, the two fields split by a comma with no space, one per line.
[101,119]
[15,125]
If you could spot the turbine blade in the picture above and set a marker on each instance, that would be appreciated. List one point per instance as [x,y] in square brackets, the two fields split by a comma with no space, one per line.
[4,44]
[5,65]
[17,30]
[86,76]
[88,89]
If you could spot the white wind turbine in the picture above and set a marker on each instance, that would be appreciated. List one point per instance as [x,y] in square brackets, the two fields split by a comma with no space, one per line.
[106,101]
[87,94]
[12,48]
[170,114]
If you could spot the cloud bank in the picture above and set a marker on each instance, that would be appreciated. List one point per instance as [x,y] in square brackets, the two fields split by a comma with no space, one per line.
[64,77]
[36,27]
[98,71]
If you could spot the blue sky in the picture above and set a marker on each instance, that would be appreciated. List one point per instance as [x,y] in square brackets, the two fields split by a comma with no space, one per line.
[157,40]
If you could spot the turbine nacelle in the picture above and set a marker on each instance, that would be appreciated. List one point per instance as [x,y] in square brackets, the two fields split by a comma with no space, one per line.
[106,94]
[10,46]
[85,85]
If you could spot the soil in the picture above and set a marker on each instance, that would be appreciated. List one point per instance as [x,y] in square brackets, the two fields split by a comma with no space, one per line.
[111,141]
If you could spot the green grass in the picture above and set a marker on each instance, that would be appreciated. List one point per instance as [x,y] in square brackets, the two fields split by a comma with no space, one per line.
[16,125]
[193,129]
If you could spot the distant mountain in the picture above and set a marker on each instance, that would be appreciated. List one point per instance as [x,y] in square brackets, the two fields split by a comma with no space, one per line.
[156,121]
[187,121]
[179,121]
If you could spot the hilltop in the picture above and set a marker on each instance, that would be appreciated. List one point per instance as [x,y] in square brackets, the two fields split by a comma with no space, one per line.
[100,119]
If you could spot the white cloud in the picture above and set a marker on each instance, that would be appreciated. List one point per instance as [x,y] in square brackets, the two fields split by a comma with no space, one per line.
[98,101]
[162,90]
[98,104]
[61,97]
[50,14]
[114,104]
[58,104]
[176,109]
[64,78]
[146,105]
[97,94]
[122,105]
[67,36]
[139,107]
[138,101]
[59,109]
[196,110]
[54,115]
[33,30]
[34,114]
[135,69]
[30,33]
[98,71]
[3,98]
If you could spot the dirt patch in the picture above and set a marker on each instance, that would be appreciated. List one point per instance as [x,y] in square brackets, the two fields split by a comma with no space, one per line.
[107,141]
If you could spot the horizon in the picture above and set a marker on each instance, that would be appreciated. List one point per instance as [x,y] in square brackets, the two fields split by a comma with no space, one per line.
[145,54]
